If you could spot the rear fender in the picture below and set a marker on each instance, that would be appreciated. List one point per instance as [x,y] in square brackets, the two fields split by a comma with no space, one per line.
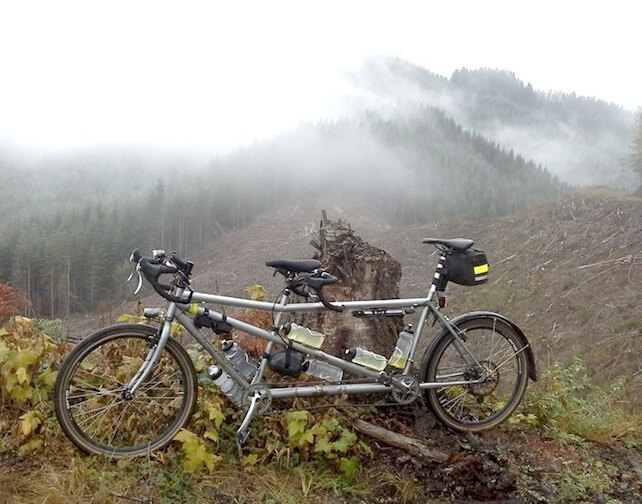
[532,373]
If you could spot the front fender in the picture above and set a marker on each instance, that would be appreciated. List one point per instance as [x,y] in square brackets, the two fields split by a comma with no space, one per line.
[532,373]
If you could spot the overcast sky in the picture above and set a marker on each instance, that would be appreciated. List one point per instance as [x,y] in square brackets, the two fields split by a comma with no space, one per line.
[213,75]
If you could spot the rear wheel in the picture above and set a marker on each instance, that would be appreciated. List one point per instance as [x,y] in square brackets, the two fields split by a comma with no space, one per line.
[93,409]
[501,362]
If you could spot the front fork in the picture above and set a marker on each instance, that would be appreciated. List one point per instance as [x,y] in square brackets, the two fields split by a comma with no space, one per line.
[154,353]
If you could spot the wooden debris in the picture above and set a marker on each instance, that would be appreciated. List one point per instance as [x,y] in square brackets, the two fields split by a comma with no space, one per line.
[413,446]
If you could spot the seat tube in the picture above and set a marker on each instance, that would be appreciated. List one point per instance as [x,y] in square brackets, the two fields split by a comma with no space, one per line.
[268,348]
[437,282]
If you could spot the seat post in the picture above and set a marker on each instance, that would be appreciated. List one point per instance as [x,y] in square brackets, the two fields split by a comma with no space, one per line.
[439,279]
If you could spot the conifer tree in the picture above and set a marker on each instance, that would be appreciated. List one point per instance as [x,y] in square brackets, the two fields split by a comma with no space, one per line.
[636,155]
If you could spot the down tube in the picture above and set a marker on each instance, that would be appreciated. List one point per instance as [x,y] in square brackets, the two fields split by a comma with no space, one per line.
[219,356]
[270,336]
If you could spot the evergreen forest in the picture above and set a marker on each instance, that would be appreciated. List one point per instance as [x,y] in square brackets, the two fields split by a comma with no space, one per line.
[69,221]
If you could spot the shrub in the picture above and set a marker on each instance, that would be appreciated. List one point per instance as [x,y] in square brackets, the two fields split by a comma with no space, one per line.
[573,409]
[11,301]
[29,360]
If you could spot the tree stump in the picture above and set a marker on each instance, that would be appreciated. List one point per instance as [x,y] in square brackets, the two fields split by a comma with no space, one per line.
[364,272]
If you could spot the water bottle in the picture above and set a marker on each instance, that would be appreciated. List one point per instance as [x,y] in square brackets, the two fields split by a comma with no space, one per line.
[323,370]
[366,358]
[303,335]
[225,383]
[240,359]
[399,357]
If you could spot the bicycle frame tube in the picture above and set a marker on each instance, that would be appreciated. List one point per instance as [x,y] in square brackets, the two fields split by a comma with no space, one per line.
[291,392]
[284,307]
[271,337]
[268,348]
[201,297]
[381,382]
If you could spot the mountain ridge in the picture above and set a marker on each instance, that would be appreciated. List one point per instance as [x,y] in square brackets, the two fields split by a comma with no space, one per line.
[582,140]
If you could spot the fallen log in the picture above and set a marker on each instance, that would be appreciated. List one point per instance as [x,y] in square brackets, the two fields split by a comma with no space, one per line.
[411,445]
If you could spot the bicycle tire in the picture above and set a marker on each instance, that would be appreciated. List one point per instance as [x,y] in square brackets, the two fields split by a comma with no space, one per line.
[441,364]
[114,349]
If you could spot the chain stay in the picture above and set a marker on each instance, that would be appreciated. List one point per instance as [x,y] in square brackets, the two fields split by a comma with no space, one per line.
[400,398]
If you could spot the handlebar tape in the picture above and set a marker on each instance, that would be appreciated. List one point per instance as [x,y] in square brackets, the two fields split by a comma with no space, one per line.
[317,284]
[327,304]
[152,269]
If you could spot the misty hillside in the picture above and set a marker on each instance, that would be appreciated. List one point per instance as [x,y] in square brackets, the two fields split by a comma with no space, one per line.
[68,249]
[582,140]
[569,273]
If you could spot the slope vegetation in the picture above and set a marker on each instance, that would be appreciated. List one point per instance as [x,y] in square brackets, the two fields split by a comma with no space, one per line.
[569,273]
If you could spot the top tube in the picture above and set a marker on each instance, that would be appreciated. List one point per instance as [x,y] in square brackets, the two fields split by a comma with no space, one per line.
[199,297]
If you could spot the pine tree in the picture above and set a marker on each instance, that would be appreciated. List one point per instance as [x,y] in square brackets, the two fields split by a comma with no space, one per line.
[636,155]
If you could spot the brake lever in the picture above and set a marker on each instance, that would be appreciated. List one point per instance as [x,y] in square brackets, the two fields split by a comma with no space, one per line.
[140,279]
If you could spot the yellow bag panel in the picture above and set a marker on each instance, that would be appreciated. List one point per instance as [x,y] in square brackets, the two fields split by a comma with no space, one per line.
[482,268]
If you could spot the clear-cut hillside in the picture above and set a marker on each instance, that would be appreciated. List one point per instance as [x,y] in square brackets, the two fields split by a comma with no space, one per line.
[569,273]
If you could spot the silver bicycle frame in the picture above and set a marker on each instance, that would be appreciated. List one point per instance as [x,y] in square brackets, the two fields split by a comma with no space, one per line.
[380,381]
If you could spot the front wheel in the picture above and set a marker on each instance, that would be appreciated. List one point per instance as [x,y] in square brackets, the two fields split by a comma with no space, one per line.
[93,408]
[500,373]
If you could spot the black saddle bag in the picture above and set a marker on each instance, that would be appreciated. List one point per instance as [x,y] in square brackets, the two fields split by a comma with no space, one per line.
[469,267]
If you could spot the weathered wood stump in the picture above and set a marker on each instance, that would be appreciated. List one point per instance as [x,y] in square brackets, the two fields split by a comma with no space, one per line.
[364,272]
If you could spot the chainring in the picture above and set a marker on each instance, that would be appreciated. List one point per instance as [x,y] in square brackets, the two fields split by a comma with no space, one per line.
[410,392]
[264,401]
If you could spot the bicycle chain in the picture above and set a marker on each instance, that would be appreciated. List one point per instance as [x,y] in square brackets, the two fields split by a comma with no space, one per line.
[335,406]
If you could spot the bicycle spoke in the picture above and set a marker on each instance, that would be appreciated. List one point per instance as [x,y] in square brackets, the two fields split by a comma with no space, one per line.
[100,393]
[455,398]
[77,404]
[502,354]
[509,358]
[91,388]
[100,412]
[492,340]
[159,398]
[118,422]
[448,376]
[492,381]
[102,377]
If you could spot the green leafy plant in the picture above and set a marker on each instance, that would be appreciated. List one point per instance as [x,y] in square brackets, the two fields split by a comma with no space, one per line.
[326,439]
[574,410]
[28,369]
[578,484]
[196,452]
